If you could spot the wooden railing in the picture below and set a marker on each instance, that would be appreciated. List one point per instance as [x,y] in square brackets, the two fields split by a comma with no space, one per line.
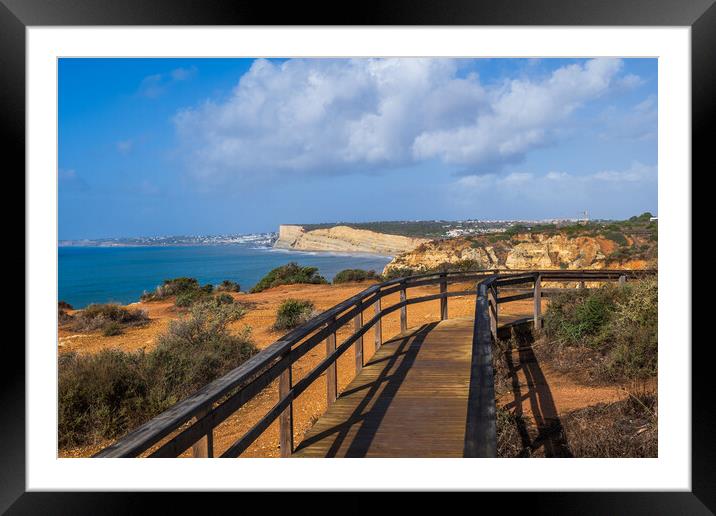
[192,421]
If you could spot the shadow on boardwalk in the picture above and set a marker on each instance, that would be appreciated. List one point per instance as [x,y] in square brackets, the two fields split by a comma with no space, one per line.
[376,398]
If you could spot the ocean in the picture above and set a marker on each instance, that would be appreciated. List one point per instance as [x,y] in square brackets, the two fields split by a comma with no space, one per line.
[121,274]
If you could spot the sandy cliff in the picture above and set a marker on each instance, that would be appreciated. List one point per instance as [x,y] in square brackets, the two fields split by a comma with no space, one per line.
[525,251]
[344,239]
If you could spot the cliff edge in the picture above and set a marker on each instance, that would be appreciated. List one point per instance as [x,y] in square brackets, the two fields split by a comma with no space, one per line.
[344,239]
[528,251]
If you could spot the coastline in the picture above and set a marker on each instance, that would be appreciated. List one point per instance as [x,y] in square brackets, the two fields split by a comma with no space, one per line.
[101,274]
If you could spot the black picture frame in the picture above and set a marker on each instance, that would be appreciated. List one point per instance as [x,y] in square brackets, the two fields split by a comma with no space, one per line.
[16,15]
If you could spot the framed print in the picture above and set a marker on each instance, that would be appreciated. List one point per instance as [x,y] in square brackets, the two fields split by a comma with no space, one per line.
[421,238]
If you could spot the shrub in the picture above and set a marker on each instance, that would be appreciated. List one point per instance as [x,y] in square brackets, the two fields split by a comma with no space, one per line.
[399,272]
[100,395]
[465,265]
[228,286]
[111,328]
[105,395]
[99,316]
[289,274]
[616,236]
[618,323]
[292,313]
[498,237]
[63,317]
[574,316]
[194,351]
[348,275]
[175,287]
[189,297]
[64,305]
[223,299]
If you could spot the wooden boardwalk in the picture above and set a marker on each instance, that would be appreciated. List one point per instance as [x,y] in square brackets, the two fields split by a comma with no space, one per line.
[410,400]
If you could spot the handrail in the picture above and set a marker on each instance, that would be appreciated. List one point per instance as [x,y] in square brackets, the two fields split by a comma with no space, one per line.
[216,401]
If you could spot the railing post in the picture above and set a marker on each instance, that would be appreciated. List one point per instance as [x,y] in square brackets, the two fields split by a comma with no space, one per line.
[378,326]
[492,305]
[443,300]
[286,418]
[622,280]
[331,377]
[538,302]
[403,310]
[204,447]
[357,325]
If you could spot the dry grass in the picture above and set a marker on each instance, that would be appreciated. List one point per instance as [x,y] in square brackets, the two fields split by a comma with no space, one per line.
[627,428]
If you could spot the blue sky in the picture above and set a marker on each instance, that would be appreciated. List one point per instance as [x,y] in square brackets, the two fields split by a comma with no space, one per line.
[207,146]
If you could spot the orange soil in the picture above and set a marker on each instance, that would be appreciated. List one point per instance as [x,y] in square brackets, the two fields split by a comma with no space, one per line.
[567,395]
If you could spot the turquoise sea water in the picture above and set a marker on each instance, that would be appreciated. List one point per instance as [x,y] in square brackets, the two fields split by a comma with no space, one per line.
[120,274]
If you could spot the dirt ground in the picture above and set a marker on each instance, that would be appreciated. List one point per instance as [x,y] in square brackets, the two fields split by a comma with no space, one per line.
[565,394]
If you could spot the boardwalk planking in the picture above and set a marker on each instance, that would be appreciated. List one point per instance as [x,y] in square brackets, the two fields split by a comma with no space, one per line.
[410,400]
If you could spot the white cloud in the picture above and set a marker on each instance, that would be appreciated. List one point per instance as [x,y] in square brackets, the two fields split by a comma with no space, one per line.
[152,86]
[182,74]
[340,116]
[523,115]
[557,189]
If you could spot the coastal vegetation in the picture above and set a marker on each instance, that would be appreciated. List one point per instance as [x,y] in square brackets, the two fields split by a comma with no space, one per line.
[108,318]
[348,275]
[613,327]
[228,286]
[292,313]
[188,291]
[464,265]
[106,394]
[601,337]
[289,274]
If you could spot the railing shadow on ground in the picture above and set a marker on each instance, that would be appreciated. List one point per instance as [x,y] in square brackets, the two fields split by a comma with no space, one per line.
[381,399]
[550,433]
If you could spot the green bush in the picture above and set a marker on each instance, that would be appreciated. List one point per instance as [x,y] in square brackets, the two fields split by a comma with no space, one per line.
[228,286]
[194,351]
[100,396]
[498,237]
[105,395]
[619,323]
[399,272]
[189,297]
[616,236]
[111,328]
[348,275]
[223,299]
[100,316]
[292,313]
[176,287]
[289,274]
[465,265]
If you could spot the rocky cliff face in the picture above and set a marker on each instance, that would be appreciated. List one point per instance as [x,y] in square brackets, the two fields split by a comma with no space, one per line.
[344,239]
[524,251]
